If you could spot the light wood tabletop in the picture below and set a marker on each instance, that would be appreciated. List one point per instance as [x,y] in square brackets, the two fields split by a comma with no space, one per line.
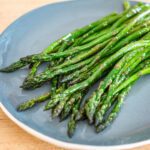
[11,136]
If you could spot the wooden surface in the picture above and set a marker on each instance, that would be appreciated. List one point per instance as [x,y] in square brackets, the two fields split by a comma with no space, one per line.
[11,136]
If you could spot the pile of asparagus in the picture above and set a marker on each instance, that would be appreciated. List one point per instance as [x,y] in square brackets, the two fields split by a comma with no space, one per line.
[115,49]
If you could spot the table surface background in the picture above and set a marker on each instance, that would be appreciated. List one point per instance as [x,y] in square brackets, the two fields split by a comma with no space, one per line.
[11,136]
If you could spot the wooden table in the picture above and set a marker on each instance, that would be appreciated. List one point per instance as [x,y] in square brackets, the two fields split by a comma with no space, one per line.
[11,136]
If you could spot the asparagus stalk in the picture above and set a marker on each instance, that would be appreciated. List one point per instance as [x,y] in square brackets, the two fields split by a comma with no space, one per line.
[72,122]
[31,103]
[14,66]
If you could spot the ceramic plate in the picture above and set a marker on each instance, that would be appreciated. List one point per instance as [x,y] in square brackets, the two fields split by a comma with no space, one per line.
[36,30]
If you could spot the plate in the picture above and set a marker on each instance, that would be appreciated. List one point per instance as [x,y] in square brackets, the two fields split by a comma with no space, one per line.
[36,30]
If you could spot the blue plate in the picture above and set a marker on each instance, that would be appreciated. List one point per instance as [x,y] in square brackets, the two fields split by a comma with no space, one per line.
[31,34]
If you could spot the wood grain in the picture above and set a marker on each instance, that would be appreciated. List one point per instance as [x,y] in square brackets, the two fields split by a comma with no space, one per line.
[13,137]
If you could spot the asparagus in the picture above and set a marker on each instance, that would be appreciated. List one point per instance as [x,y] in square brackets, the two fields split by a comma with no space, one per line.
[14,66]
[68,38]
[128,14]
[58,109]
[95,98]
[127,85]
[72,122]
[31,103]
[77,73]
[134,36]
[34,68]
[95,76]
[97,35]
[133,78]
[67,108]
[33,71]
[70,104]
[45,57]
[54,85]
[101,26]
[90,52]
[122,43]
[147,36]
[80,57]
[143,64]
[115,110]
[65,45]
[49,74]
[124,32]
[123,73]
[126,5]
[112,116]
[84,75]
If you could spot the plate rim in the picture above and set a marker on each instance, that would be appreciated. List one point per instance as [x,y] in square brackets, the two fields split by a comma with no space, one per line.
[52,140]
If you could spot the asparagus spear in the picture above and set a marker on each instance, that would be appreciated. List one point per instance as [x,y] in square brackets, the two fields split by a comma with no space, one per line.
[147,36]
[31,103]
[133,36]
[58,109]
[121,96]
[72,122]
[77,73]
[14,66]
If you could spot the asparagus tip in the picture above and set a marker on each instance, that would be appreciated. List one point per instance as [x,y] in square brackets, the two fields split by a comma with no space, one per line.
[5,70]
[62,118]
[96,122]
[46,108]
[99,128]
[21,108]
